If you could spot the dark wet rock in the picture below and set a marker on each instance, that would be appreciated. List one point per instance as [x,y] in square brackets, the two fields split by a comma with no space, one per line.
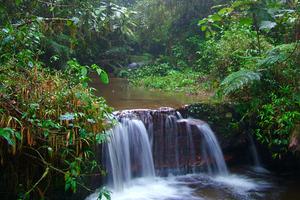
[135,65]
[225,122]
[169,133]
[233,136]
[295,139]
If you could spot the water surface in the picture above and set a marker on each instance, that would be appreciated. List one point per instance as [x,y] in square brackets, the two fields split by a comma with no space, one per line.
[120,95]
[243,184]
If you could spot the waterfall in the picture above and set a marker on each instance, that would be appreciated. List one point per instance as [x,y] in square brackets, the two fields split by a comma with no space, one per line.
[129,153]
[257,167]
[171,129]
[212,152]
[179,146]
[151,154]
[256,160]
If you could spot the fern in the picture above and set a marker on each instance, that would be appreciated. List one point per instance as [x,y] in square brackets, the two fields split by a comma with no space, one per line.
[278,54]
[238,80]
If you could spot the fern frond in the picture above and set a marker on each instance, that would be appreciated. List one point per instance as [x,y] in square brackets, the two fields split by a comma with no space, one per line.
[278,54]
[238,80]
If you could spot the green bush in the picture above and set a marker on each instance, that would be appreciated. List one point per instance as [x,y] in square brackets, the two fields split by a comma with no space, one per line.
[50,119]
[161,69]
[276,120]
[234,50]
[183,81]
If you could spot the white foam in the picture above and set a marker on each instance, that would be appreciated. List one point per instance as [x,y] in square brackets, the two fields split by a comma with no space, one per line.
[240,185]
[152,189]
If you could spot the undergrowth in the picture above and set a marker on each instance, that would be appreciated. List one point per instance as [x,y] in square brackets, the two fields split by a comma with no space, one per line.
[53,123]
[164,77]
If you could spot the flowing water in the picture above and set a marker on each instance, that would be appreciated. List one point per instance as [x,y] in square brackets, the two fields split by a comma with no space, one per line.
[128,153]
[212,150]
[158,155]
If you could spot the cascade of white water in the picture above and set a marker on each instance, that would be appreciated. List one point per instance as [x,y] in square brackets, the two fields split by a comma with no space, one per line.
[171,147]
[180,146]
[256,160]
[211,151]
[130,150]
[190,142]
[129,153]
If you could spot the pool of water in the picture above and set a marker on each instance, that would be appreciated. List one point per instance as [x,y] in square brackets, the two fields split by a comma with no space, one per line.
[243,184]
[120,95]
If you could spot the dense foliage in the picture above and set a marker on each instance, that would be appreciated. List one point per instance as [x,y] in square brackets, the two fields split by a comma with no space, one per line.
[50,121]
[267,83]
[53,124]
[248,51]
[92,31]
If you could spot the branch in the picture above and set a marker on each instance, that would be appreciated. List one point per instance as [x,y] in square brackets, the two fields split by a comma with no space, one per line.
[49,166]
[36,184]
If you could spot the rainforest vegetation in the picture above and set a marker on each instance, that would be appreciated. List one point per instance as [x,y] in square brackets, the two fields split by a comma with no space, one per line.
[245,52]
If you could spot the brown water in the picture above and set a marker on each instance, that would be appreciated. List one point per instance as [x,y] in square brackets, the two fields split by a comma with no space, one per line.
[120,95]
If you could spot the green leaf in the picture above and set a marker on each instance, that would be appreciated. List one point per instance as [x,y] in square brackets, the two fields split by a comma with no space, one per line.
[203,21]
[95,67]
[237,80]
[207,34]
[225,11]
[69,22]
[216,18]
[103,76]
[84,71]
[246,21]
[104,194]
[101,138]
[7,134]
[267,25]
[99,71]
[18,2]
[18,135]
[203,28]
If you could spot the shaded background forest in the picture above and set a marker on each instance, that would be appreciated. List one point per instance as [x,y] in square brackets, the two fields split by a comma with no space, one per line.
[245,52]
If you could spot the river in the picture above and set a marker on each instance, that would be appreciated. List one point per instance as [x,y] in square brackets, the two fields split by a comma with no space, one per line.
[120,95]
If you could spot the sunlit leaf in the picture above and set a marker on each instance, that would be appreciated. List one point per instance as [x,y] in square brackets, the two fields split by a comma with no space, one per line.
[267,25]
[216,17]
[103,76]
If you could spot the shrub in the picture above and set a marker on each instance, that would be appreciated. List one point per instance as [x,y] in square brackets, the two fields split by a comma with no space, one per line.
[234,50]
[51,122]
